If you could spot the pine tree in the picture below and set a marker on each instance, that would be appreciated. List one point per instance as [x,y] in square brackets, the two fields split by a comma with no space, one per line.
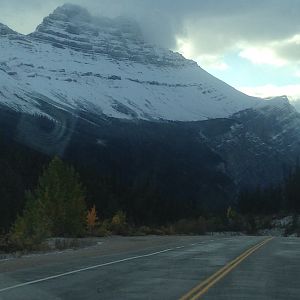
[32,227]
[62,195]
[56,208]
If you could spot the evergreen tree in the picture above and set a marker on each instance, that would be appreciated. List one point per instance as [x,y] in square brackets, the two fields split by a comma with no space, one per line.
[62,196]
[56,208]
[32,227]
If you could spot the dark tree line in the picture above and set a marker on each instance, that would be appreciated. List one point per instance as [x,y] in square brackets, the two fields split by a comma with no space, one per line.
[20,168]
[284,197]
[154,172]
[143,194]
[292,191]
[141,197]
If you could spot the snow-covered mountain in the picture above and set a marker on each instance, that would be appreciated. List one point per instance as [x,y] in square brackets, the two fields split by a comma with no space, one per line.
[93,90]
[82,63]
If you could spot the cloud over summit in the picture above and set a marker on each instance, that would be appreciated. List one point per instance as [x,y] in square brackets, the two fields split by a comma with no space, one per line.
[259,32]
[208,28]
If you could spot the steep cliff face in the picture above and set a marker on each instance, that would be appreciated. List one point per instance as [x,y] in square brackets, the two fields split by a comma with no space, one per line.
[259,145]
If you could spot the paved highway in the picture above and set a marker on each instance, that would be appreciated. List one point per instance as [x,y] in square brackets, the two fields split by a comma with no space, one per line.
[177,267]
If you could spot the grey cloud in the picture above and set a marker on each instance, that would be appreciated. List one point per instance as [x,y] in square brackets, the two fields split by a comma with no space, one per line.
[289,52]
[212,26]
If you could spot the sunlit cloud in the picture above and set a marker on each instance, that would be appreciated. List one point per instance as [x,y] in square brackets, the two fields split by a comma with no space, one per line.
[263,56]
[185,48]
[277,53]
[190,51]
[212,62]
[291,91]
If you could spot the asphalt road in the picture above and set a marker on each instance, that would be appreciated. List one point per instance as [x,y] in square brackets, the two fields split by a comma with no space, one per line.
[160,268]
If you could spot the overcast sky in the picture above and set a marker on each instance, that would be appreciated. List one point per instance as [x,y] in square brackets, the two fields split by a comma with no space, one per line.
[253,45]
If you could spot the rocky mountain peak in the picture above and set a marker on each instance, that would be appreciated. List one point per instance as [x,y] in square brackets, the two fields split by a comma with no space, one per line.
[69,12]
[73,27]
[5,30]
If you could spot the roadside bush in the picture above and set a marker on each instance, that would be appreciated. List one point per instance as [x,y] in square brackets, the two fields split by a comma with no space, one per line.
[294,227]
[250,225]
[66,243]
[196,226]
[167,230]
[215,224]
[102,229]
[265,222]
[5,244]
[144,230]
[119,224]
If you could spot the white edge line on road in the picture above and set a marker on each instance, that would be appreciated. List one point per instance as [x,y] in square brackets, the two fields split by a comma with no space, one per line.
[82,270]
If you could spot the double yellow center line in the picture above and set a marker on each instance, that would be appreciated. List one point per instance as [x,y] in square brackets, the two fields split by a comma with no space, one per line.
[198,291]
